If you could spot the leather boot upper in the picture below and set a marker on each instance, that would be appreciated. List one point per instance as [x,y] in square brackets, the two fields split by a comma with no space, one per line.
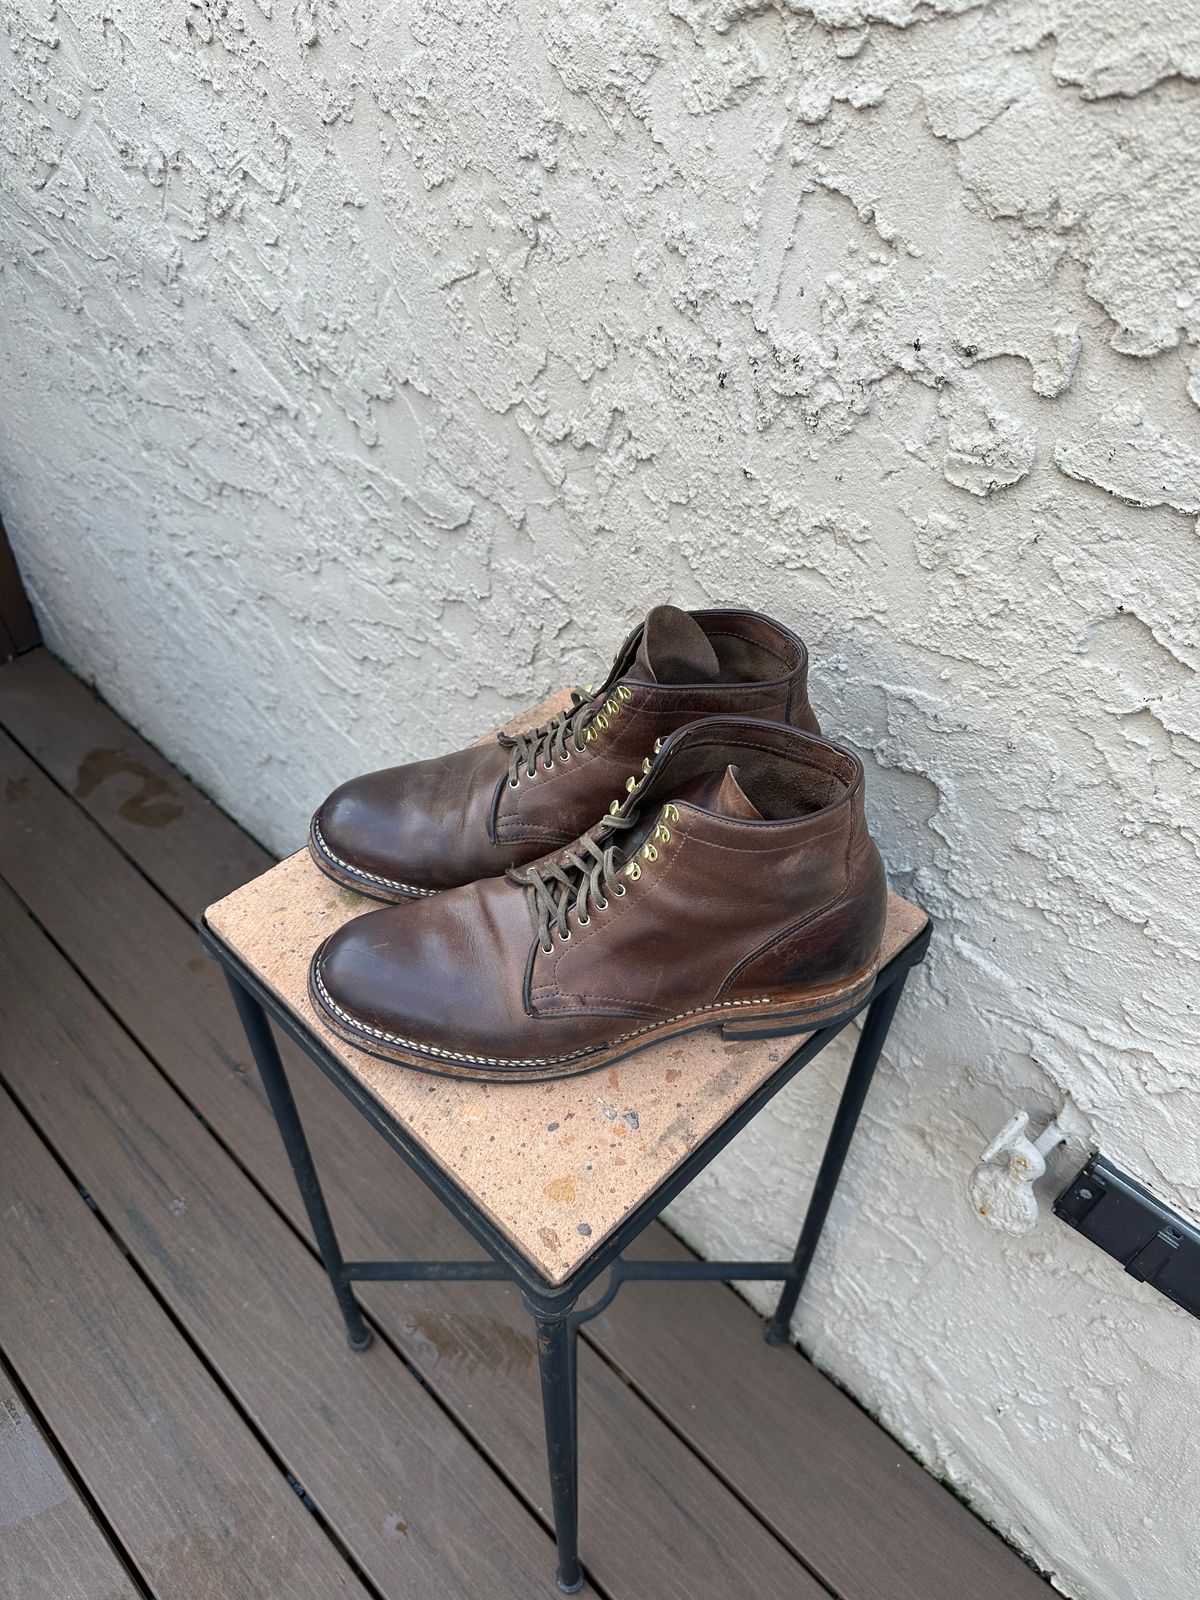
[431,825]
[738,873]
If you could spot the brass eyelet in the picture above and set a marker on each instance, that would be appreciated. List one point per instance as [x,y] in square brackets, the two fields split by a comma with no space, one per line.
[647,764]
[600,720]
[613,707]
[649,853]
[670,814]
[624,693]
[589,735]
[631,784]
[633,871]
[662,833]
[614,808]
[657,746]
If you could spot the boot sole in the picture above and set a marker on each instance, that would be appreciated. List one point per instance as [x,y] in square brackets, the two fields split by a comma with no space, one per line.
[799,1011]
[387,890]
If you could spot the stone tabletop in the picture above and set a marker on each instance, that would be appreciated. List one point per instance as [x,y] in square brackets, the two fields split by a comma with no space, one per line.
[556,1165]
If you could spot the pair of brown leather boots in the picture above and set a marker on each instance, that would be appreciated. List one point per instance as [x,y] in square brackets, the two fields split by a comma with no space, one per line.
[677,849]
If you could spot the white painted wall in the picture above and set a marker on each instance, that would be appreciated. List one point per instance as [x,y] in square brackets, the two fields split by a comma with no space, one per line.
[368,368]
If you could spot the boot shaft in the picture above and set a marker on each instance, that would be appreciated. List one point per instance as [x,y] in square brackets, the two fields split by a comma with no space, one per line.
[758,669]
[750,904]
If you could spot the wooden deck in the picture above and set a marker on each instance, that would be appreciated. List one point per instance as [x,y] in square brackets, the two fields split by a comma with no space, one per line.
[179,1415]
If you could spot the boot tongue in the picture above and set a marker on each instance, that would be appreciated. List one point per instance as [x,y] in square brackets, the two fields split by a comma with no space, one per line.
[674,649]
[720,792]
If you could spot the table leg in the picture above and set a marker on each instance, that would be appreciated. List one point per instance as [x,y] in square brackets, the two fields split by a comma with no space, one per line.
[279,1093]
[556,1344]
[862,1069]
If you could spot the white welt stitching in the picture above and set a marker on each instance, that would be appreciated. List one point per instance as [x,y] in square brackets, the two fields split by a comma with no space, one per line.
[388,883]
[421,1048]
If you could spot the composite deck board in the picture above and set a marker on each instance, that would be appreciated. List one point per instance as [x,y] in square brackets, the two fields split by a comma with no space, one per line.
[180,839]
[870,1520]
[681,1532]
[191,1495]
[389,1471]
[831,1483]
[51,1546]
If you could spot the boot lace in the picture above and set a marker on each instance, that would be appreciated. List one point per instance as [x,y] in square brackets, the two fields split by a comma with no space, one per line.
[580,879]
[553,740]
[579,724]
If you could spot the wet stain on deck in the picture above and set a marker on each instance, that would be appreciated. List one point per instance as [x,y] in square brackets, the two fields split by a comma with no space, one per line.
[479,1343]
[152,805]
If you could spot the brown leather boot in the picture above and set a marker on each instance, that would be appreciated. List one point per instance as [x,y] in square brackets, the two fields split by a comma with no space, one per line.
[407,831]
[737,885]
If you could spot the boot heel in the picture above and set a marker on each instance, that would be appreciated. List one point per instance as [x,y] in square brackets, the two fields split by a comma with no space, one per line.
[802,1012]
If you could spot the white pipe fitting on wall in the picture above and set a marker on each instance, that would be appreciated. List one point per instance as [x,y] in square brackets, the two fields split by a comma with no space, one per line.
[1002,1185]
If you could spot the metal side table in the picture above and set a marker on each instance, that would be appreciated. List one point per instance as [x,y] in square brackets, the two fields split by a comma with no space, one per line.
[558,1178]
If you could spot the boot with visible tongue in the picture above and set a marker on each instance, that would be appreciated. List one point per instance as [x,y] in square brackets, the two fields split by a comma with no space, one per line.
[405,832]
[674,649]
[685,908]
[720,792]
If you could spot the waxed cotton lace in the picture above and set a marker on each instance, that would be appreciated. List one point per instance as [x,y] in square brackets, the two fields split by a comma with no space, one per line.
[579,880]
[551,741]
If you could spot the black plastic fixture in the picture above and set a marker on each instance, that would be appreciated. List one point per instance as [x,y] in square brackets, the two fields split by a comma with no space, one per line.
[1151,1241]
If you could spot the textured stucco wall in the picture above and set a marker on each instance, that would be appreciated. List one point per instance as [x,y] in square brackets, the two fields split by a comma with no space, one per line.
[368,367]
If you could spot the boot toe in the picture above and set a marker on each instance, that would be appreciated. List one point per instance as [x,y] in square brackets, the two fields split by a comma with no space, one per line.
[363,986]
[423,978]
[354,837]
[407,832]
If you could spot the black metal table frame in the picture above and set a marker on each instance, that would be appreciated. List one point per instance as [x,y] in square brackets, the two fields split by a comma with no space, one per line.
[552,1306]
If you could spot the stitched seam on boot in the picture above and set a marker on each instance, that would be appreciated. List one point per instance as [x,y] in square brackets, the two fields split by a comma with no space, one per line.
[780,938]
[554,991]
[418,1047]
[743,638]
[360,872]
[718,737]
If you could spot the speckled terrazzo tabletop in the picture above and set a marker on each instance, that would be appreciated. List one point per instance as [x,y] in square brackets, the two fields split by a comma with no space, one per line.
[555,1165]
